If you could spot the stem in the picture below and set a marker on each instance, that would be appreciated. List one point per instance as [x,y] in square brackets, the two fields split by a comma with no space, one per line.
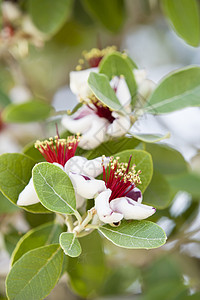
[78,216]
[69,223]
[82,225]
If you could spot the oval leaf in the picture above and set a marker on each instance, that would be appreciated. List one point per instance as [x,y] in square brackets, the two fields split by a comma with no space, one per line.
[143,162]
[4,99]
[184,17]
[100,86]
[15,173]
[49,15]
[30,111]
[150,138]
[135,235]
[116,64]
[109,13]
[41,236]
[70,244]
[6,207]
[157,193]
[178,90]
[54,188]
[35,274]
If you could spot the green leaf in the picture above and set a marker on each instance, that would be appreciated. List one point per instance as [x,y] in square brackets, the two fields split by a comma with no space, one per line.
[113,146]
[178,90]
[6,207]
[41,236]
[135,235]
[157,193]
[166,160]
[150,138]
[11,238]
[189,182]
[35,274]
[4,99]
[70,244]
[184,18]
[110,13]
[143,162]
[30,111]
[54,188]
[99,83]
[116,64]
[33,153]
[15,173]
[49,15]
[87,272]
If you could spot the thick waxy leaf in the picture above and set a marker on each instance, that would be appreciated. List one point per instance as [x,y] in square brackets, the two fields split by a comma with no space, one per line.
[100,86]
[70,244]
[30,111]
[116,64]
[15,173]
[178,90]
[157,193]
[111,147]
[109,13]
[135,235]
[184,17]
[6,206]
[150,138]
[33,153]
[54,188]
[4,100]
[143,162]
[41,236]
[49,15]
[166,160]
[35,274]
[189,182]
[88,271]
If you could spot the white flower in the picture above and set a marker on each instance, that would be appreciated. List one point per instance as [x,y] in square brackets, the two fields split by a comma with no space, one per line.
[121,199]
[80,170]
[124,207]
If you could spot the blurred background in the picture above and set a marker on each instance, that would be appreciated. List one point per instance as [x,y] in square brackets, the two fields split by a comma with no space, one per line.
[40,43]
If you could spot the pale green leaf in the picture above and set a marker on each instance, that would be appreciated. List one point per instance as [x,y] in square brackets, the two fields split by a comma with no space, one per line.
[35,274]
[70,244]
[116,64]
[99,83]
[49,15]
[15,173]
[143,162]
[150,138]
[157,193]
[135,235]
[184,18]
[178,90]
[189,182]
[30,111]
[40,236]
[109,13]
[54,188]
[6,206]
[166,160]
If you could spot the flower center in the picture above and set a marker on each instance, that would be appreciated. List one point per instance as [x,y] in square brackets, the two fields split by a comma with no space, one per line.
[94,57]
[101,109]
[120,178]
[58,150]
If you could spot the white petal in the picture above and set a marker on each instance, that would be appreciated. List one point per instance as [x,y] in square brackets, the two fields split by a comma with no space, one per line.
[95,135]
[78,83]
[120,125]
[58,165]
[104,212]
[80,165]
[86,188]
[79,200]
[146,88]
[28,196]
[131,210]
[122,92]
[140,75]
[77,125]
